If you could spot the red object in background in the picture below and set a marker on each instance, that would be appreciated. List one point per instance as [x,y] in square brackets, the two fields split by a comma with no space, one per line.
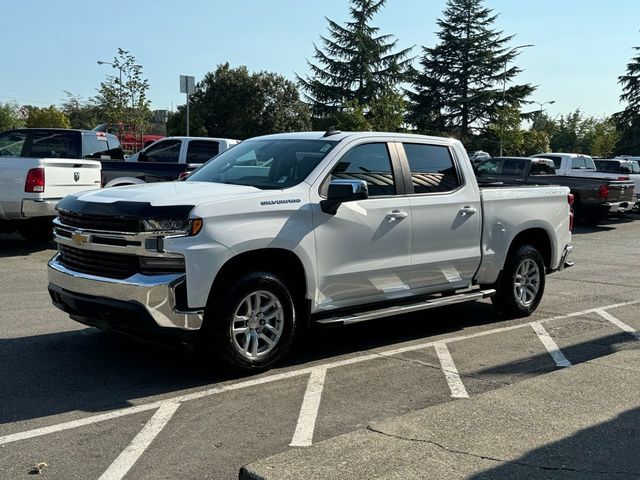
[130,140]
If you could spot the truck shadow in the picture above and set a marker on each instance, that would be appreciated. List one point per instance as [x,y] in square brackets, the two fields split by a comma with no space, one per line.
[15,246]
[87,370]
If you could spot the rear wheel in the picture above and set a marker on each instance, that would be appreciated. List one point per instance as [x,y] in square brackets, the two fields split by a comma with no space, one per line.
[36,230]
[521,283]
[251,324]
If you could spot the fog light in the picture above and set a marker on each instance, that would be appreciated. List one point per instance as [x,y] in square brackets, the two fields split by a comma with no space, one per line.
[162,264]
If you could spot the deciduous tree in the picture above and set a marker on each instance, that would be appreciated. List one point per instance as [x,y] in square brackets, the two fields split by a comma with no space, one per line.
[49,117]
[234,103]
[9,117]
[122,98]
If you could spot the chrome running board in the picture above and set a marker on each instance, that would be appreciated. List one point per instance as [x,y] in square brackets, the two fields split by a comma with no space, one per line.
[406,308]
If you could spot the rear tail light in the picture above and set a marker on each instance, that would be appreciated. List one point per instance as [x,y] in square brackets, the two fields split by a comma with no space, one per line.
[603,193]
[623,178]
[35,181]
[183,176]
[570,200]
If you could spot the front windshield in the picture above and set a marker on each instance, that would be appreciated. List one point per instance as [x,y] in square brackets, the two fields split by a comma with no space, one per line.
[265,164]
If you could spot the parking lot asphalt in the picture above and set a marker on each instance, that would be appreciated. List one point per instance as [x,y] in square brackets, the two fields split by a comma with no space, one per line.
[91,405]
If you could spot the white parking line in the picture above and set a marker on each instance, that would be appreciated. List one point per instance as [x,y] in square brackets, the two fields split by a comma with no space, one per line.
[450,371]
[36,432]
[130,455]
[550,345]
[618,323]
[303,436]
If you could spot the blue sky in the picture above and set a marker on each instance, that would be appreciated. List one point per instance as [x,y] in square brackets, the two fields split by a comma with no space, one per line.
[581,46]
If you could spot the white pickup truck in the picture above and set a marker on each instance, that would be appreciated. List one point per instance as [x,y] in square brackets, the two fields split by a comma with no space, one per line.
[37,168]
[288,230]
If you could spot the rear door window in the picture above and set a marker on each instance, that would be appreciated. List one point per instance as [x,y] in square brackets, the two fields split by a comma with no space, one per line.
[12,144]
[165,151]
[199,151]
[432,168]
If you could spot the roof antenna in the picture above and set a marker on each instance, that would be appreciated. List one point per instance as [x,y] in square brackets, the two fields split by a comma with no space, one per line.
[332,131]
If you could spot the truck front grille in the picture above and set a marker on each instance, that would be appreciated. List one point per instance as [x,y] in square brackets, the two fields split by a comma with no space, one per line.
[110,265]
[105,223]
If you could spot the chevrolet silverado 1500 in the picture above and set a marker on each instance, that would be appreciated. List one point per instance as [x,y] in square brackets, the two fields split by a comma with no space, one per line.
[288,230]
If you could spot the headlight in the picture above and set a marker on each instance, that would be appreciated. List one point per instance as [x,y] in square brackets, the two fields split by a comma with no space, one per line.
[165,224]
[178,225]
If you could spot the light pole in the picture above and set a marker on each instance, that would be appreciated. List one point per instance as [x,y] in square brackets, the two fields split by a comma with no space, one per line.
[100,62]
[542,104]
[504,86]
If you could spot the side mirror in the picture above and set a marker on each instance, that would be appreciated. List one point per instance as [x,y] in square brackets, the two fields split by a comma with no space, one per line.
[341,191]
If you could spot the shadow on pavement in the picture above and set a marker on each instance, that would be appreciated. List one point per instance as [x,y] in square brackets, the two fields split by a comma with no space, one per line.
[584,455]
[91,371]
[15,246]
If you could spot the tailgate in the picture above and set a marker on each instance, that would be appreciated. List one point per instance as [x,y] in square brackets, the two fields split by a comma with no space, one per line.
[620,192]
[64,177]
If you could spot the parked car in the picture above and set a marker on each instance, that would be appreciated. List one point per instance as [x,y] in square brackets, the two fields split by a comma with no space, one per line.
[622,168]
[594,198]
[164,160]
[478,156]
[131,139]
[39,166]
[287,230]
[583,166]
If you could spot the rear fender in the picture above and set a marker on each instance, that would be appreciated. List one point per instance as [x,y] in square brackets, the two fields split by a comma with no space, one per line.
[118,182]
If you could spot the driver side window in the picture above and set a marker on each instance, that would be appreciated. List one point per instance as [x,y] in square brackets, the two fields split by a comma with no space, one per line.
[369,162]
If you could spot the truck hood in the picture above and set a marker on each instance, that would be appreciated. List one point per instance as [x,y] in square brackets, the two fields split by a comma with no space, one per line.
[171,193]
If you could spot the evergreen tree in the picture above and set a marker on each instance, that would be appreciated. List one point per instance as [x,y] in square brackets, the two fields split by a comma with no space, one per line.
[460,84]
[628,121]
[355,63]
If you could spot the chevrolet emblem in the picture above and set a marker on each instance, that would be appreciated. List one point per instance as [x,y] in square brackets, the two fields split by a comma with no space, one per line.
[79,238]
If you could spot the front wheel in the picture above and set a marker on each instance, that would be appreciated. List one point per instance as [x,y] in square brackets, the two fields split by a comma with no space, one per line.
[251,324]
[521,283]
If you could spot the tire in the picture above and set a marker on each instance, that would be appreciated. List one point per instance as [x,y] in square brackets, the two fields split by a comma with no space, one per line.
[238,301]
[36,230]
[512,301]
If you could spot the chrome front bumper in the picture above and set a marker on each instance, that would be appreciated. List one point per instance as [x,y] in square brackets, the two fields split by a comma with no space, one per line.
[155,293]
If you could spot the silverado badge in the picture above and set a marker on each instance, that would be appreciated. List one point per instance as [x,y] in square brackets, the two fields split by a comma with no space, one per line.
[79,238]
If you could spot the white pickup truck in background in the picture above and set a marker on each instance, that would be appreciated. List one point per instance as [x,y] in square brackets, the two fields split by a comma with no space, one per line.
[38,167]
[288,230]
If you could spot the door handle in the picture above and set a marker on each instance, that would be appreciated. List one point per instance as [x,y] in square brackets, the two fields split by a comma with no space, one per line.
[468,210]
[397,215]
